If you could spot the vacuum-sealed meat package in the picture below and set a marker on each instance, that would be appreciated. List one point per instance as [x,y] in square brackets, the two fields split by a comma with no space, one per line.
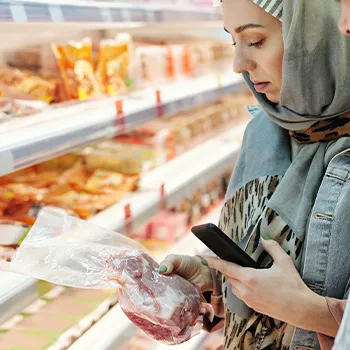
[65,250]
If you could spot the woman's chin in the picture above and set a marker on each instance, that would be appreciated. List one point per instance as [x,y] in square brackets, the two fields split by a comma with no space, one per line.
[273,98]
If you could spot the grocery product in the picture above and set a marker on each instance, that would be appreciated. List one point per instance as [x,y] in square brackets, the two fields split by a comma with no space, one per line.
[173,305]
[167,226]
[69,251]
[77,69]
[23,84]
[123,158]
[113,64]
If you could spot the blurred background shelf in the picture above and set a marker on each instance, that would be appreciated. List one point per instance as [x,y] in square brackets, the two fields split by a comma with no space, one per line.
[60,11]
[64,129]
[180,177]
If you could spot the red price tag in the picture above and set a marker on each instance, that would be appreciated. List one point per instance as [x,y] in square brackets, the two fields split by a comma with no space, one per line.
[127,219]
[163,203]
[159,104]
[120,117]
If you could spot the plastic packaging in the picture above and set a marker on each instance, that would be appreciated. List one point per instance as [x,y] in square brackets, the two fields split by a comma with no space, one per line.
[68,251]
[76,66]
[114,63]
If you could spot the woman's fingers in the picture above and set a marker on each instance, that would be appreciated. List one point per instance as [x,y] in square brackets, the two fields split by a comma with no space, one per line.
[170,264]
[228,269]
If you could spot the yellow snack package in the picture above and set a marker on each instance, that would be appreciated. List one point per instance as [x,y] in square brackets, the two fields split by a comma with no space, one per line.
[113,65]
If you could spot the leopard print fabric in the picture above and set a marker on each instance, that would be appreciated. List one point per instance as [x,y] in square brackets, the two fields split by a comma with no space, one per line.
[247,213]
[325,130]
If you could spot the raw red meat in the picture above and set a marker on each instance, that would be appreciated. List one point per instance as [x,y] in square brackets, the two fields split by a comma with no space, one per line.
[166,308]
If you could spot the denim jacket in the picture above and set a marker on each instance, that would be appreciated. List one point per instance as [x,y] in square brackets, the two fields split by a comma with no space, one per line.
[326,263]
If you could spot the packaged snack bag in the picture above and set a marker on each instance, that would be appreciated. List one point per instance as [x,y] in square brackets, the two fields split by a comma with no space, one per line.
[76,66]
[114,63]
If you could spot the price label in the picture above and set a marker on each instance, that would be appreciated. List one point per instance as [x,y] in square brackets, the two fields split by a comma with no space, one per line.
[120,117]
[163,203]
[159,104]
[127,219]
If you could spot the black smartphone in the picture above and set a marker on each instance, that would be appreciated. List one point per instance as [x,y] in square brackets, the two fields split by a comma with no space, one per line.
[223,246]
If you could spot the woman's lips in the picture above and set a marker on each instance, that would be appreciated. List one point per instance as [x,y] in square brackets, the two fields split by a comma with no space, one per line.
[261,87]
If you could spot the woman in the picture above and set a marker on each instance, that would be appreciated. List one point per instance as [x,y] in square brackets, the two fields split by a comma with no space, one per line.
[291,182]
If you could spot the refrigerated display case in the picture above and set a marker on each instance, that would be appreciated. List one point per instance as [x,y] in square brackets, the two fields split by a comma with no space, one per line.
[35,132]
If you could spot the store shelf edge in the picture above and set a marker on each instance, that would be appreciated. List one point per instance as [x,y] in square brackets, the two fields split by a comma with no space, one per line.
[60,11]
[79,126]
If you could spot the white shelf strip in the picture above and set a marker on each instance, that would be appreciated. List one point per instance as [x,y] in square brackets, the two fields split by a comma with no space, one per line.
[65,11]
[59,130]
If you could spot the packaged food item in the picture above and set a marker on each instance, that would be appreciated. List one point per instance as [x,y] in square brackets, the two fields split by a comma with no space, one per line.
[27,84]
[153,63]
[167,226]
[82,203]
[29,176]
[68,251]
[122,158]
[64,162]
[75,177]
[102,181]
[76,66]
[114,63]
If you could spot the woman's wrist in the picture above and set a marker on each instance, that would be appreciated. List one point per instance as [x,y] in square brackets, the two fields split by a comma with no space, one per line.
[313,314]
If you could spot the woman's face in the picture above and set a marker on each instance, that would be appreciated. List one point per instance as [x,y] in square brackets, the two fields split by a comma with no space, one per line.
[258,41]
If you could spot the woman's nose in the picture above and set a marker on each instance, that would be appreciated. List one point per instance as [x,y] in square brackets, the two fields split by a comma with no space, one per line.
[242,63]
[344,20]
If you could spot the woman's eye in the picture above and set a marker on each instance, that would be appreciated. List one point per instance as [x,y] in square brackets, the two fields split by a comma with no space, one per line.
[234,43]
[256,44]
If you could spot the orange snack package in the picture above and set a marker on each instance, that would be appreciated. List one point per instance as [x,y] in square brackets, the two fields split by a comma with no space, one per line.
[113,63]
[76,66]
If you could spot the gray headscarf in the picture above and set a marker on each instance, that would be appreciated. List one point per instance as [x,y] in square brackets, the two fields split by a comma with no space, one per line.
[315,64]
[316,77]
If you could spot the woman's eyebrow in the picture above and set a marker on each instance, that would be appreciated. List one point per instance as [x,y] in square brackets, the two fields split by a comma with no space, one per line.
[244,27]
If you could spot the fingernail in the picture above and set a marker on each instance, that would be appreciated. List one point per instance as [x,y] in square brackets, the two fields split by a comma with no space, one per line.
[163,269]
[204,262]
[266,237]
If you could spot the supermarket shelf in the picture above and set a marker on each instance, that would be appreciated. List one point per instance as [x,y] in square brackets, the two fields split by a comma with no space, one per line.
[16,292]
[181,176]
[112,335]
[66,11]
[59,130]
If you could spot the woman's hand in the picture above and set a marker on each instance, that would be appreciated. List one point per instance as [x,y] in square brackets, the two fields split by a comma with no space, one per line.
[278,292]
[190,268]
